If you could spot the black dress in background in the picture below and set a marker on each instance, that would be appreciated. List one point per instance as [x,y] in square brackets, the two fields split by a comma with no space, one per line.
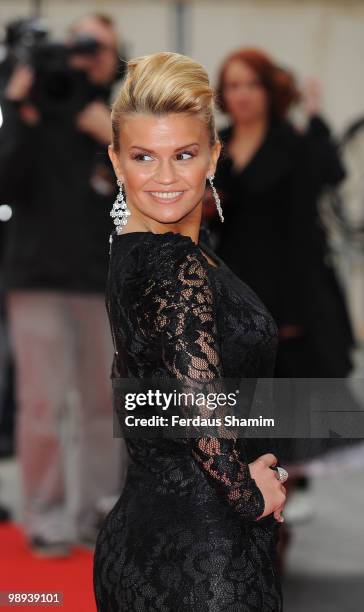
[273,240]
[182,537]
[267,211]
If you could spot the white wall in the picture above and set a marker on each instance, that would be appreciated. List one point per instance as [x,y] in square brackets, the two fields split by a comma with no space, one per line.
[323,38]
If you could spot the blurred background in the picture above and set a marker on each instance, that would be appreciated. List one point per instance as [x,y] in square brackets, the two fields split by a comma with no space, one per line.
[61,63]
[321,38]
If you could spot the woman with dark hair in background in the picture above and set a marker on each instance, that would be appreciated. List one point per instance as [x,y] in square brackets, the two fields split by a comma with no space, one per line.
[269,177]
[263,178]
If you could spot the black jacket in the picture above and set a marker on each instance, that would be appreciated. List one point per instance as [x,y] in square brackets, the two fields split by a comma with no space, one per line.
[53,176]
[268,216]
[273,240]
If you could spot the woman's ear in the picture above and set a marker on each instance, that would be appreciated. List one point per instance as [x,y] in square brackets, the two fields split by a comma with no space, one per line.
[114,158]
[215,153]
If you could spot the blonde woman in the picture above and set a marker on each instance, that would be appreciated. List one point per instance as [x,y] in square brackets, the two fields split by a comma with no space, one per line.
[195,527]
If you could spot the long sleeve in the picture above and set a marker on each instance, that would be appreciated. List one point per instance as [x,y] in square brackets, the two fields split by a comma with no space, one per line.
[181,316]
[327,167]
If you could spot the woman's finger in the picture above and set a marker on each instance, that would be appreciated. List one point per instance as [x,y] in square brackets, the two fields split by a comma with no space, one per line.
[278,514]
[269,459]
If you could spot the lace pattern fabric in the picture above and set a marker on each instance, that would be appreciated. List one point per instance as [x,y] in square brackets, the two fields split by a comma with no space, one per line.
[173,314]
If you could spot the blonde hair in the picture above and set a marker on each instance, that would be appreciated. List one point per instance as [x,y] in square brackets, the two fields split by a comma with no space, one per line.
[164,83]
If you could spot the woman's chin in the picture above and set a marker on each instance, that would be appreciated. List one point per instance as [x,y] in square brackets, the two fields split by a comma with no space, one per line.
[169,216]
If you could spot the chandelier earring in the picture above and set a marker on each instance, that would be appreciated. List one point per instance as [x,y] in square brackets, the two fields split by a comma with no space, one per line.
[120,211]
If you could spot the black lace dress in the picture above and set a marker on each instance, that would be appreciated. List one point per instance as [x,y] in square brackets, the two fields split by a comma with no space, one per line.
[183,536]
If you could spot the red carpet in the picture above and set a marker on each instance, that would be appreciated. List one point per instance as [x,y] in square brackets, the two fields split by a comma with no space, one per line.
[21,571]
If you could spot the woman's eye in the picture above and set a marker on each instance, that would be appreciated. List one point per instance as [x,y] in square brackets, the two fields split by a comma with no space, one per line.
[142,156]
[187,155]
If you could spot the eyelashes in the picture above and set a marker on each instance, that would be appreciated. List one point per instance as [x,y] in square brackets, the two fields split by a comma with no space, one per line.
[140,156]
[190,153]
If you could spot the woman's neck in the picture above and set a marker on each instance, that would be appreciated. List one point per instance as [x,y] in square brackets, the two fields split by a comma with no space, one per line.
[250,130]
[246,140]
[188,226]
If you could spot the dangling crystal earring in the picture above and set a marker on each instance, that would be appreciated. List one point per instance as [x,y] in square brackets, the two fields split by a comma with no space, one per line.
[216,198]
[119,212]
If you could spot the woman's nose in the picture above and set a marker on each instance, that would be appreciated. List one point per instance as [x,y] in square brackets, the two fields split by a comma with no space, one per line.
[165,173]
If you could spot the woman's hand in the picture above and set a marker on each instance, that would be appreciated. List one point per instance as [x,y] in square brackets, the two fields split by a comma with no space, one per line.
[272,489]
[312,95]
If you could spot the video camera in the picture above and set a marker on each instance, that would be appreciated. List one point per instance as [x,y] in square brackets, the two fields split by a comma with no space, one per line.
[58,89]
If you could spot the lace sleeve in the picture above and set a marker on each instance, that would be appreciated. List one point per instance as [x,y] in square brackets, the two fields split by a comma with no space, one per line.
[182,317]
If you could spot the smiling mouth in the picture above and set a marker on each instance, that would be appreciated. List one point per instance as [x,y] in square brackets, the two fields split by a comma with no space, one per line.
[166,195]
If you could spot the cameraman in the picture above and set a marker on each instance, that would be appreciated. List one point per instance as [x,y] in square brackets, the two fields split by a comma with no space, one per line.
[56,174]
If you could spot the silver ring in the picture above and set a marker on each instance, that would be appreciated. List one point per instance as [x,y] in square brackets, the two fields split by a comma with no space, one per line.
[282,473]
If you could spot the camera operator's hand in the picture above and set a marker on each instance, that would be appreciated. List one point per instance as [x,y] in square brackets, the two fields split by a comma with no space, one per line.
[19,83]
[17,90]
[95,121]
